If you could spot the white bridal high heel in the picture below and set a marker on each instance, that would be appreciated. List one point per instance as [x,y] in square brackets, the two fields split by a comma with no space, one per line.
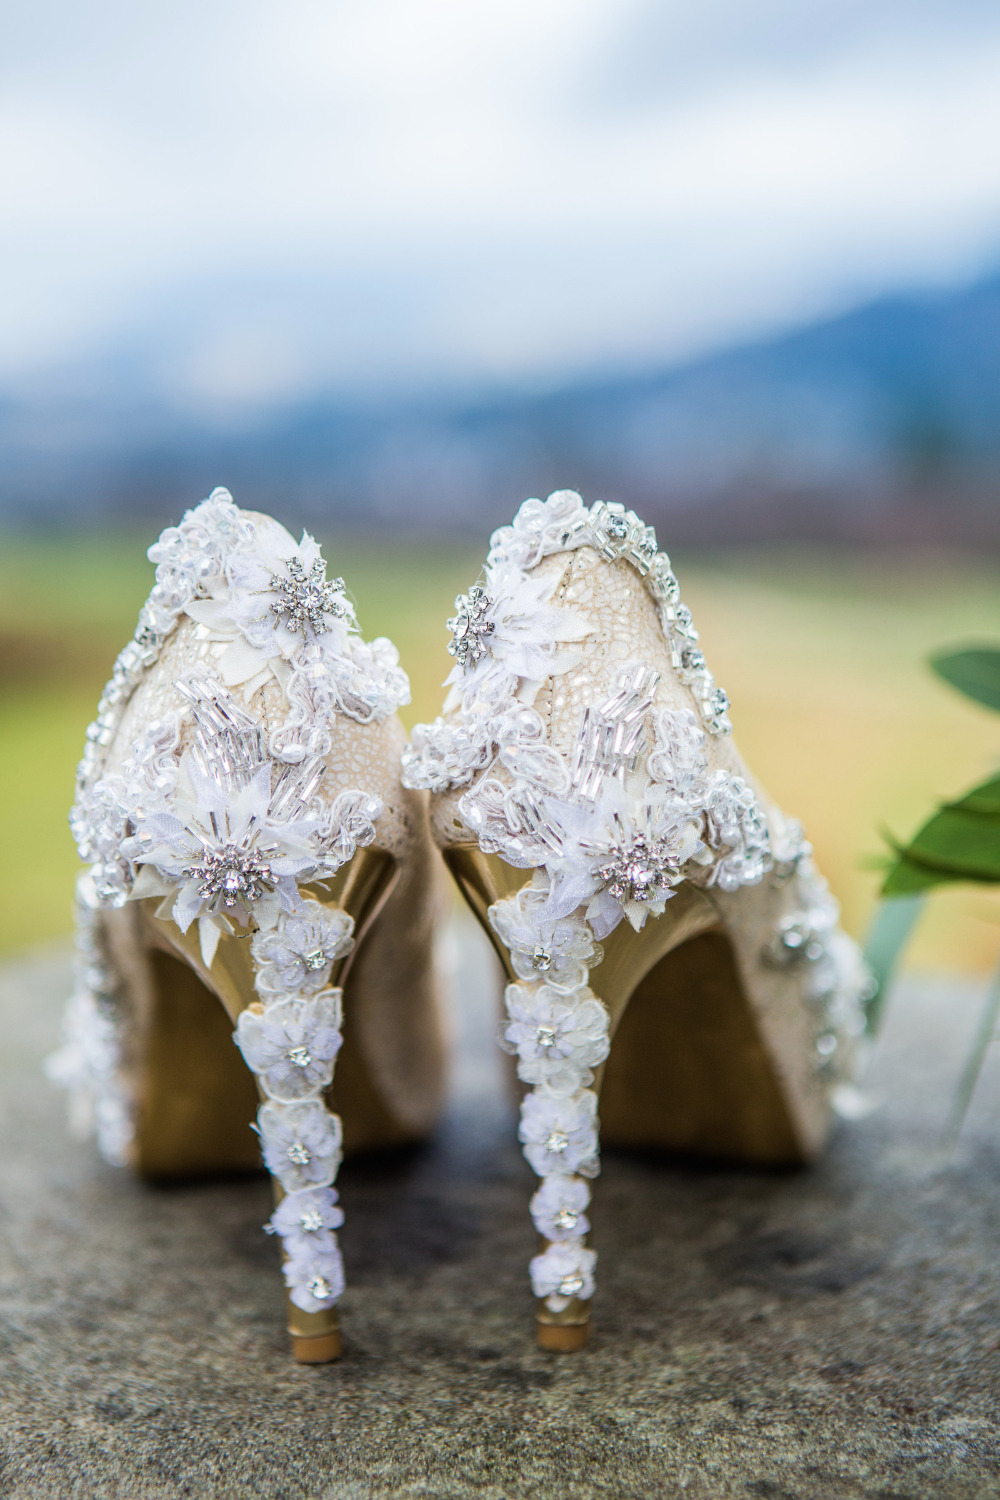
[672,953]
[253,862]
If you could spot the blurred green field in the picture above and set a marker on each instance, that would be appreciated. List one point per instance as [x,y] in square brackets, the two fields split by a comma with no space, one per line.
[823,657]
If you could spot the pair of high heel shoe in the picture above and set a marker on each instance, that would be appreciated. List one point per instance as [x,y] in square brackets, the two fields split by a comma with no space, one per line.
[262,851]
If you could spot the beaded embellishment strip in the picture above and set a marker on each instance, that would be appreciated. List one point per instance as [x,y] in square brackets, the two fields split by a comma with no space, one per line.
[224,825]
[609,830]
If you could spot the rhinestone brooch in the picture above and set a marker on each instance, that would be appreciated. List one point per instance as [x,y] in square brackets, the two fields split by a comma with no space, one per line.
[470,630]
[230,876]
[307,599]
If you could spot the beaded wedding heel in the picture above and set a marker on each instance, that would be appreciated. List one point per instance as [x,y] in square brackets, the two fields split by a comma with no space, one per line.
[249,842]
[671,949]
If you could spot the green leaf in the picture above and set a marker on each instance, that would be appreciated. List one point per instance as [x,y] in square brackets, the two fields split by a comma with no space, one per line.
[961,842]
[974,672]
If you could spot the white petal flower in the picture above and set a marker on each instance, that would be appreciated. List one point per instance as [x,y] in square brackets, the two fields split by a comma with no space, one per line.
[558,1036]
[300,1143]
[559,1134]
[315,1280]
[292,1044]
[306,1222]
[520,630]
[270,600]
[558,1208]
[560,952]
[563,1272]
[296,956]
[239,831]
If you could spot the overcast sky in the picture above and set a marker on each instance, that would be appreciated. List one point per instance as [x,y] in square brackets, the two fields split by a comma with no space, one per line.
[249,196]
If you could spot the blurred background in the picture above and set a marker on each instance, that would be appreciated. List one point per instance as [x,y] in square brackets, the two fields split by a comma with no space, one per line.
[386,269]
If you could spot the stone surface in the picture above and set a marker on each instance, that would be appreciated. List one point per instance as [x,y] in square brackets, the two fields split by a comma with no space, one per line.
[824,1333]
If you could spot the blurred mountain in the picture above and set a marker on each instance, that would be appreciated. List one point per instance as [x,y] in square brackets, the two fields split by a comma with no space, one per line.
[882,424]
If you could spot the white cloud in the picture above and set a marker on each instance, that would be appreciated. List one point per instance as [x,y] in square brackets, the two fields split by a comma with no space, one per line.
[457,187]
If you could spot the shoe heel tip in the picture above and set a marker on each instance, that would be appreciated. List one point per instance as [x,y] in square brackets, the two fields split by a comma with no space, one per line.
[316,1349]
[563,1338]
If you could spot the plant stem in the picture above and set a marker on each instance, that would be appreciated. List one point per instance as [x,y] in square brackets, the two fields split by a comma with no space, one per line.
[985,1033]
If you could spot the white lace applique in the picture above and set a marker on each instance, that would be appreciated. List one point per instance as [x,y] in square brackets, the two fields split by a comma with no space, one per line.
[837,983]
[295,957]
[307,1221]
[227,829]
[88,1062]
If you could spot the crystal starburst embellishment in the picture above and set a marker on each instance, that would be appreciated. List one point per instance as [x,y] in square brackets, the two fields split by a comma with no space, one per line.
[557,1142]
[311,1221]
[231,876]
[470,630]
[640,873]
[306,600]
[299,1153]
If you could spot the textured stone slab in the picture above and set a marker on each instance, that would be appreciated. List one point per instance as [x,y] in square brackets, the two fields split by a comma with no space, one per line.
[825,1333]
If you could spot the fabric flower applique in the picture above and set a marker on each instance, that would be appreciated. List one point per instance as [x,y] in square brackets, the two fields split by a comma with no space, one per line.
[620,855]
[563,1271]
[558,1208]
[518,633]
[557,1036]
[560,952]
[306,1221]
[292,1043]
[559,1134]
[301,1143]
[238,833]
[271,598]
[315,1279]
[296,956]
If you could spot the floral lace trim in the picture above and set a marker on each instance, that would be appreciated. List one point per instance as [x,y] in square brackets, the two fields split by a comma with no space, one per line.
[227,830]
[88,1061]
[610,830]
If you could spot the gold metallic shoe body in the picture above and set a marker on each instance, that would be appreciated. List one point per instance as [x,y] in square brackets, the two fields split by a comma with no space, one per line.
[254,863]
[669,947]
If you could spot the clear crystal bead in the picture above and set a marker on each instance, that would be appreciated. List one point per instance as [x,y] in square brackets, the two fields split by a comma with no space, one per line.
[314,960]
[299,1154]
[571,1285]
[557,1142]
[566,1218]
[301,1057]
[311,1221]
[541,960]
[546,1036]
[319,1287]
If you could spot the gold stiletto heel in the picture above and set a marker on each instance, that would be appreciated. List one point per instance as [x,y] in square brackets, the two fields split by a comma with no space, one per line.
[254,863]
[671,952]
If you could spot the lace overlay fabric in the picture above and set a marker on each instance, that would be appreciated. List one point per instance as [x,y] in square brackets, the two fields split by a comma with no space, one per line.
[585,741]
[204,784]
